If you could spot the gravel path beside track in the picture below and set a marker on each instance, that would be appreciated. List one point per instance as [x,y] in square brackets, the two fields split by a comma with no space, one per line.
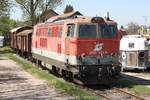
[16,84]
[140,78]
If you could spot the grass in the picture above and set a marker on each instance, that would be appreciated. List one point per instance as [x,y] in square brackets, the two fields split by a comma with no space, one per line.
[5,49]
[138,89]
[66,87]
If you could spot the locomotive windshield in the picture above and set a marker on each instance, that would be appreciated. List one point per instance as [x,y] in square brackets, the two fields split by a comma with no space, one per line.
[107,31]
[87,31]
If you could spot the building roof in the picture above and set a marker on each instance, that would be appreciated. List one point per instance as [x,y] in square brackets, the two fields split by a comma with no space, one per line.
[46,15]
[64,16]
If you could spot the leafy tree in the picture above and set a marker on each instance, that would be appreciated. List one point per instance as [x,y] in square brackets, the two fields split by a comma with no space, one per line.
[132,28]
[33,8]
[68,9]
[6,24]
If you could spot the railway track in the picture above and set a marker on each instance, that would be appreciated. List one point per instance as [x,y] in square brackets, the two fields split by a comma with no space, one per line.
[130,94]
[108,93]
[115,94]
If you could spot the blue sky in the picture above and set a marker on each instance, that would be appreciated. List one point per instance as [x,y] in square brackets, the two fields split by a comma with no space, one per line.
[122,11]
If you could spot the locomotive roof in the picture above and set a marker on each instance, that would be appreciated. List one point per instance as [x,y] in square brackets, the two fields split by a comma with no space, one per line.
[79,19]
[74,17]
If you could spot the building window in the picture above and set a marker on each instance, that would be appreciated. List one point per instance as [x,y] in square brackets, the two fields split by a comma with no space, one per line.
[131,45]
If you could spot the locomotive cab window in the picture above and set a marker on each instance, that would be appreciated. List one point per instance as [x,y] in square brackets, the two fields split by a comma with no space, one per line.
[107,31]
[70,30]
[87,31]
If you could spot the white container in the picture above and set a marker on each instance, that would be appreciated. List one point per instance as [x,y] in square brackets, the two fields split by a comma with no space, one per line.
[134,52]
[133,43]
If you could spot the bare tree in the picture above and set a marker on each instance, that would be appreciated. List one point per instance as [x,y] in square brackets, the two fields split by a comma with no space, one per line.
[34,8]
[132,28]
[69,8]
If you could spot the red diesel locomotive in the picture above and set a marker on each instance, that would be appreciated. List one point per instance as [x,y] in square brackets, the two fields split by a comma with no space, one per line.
[78,47]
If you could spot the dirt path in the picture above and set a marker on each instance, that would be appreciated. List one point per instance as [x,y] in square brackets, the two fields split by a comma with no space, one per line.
[16,84]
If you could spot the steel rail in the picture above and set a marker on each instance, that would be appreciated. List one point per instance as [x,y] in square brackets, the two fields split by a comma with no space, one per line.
[103,96]
[133,95]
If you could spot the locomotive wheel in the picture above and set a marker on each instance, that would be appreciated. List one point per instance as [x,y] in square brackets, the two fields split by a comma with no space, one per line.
[67,75]
[55,70]
[76,79]
[39,63]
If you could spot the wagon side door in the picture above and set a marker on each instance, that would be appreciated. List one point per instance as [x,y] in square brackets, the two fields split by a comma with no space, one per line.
[70,34]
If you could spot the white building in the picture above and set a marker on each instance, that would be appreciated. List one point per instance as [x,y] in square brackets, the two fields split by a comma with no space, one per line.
[1,41]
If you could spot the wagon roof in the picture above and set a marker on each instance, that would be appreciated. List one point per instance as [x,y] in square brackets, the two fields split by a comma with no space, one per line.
[19,29]
[15,29]
[25,32]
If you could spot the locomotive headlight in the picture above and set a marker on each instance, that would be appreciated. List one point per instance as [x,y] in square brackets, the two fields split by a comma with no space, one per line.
[114,54]
[83,55]
[83,68]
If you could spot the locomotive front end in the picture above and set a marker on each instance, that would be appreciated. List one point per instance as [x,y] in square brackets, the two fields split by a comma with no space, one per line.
[97,49]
